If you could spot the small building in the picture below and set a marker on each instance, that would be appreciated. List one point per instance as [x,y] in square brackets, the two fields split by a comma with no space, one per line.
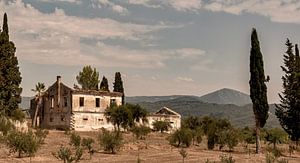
[165,114]
[80,110]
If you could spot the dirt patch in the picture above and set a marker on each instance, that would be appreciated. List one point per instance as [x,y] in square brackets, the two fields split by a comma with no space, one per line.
[152,150]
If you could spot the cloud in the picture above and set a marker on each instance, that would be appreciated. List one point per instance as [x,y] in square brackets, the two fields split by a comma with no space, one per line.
[109,4]
[184,79]
[55,39]
[190,5]
[284,11]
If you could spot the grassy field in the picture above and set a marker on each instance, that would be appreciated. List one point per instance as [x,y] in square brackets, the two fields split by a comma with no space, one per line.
[155,149]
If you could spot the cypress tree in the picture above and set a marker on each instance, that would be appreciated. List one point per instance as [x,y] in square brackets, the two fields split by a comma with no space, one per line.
[288,111]
[10,76]
[258,88]
[118,85]
[104,84]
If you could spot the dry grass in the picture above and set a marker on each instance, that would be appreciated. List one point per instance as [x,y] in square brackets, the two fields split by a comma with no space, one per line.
[155,149]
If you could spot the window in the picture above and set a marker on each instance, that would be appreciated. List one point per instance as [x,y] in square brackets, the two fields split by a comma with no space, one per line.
[85,119]
[62,118]
[112,101]
[52,102]
[97,102]
[51,119]
[100,119]
[65,101]
[81,101]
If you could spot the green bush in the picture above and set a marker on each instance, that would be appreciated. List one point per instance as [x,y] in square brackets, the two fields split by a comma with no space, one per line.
[18,115]
[226,159]
[183,154]
[75,139]
[270,158]
[228,137]
[5,125]
[161,126]
[23,143]
[140,132]
[197,135]
[276,136]
[181,137]
[87,144]
[65,154]
[110,141]
[41,134]
[247,136]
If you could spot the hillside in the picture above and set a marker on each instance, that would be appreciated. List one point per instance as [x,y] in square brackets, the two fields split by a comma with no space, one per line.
[239,115]
[227,96]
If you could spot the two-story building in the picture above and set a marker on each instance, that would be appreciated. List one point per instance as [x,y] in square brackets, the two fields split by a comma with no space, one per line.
[81,110]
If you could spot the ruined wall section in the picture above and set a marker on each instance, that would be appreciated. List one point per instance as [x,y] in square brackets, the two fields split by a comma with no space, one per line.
[57,107]
[88,114]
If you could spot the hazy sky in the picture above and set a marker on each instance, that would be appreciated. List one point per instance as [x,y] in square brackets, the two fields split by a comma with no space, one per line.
[161,47]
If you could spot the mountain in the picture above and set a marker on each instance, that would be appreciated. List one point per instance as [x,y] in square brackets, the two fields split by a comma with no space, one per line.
[139,99]
[227,96]
[239,116]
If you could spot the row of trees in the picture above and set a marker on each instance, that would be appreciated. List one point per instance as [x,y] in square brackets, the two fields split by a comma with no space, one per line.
[219,132]
[88,78]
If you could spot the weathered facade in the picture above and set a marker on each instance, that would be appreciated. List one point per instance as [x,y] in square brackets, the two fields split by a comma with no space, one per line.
[165,114]
[81,110]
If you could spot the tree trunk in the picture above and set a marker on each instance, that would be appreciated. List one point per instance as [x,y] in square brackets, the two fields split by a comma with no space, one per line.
[36,112]
[258,145]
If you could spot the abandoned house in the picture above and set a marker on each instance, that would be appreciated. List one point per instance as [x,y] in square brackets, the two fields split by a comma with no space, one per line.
[80,110]
[165,114]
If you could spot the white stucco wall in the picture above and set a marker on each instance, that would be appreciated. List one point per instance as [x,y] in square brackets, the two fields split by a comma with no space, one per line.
[89,117]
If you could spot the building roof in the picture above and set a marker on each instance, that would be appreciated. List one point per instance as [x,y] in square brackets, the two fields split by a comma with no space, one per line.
[86,92]
[166,111]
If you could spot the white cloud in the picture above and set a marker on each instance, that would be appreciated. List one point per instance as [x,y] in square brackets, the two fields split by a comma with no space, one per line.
[184,79]
[285,11]
[109,4]
[185,5]
[55,39]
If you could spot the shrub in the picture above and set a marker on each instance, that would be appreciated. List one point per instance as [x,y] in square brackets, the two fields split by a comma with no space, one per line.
[226,159]
[20,143]
[183,154]
[274,151]
[161,126]
[182,136]
[247,135]
[140,132]
[75,139]
[111,141]
[270,158]
[65,154]
[228,138]
[5,125]
[41,134]
[87,144]
[276,136]
[197,135]
[18,115]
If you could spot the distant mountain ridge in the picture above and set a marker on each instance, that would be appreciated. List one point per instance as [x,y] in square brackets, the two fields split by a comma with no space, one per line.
[222,96]
[227,96]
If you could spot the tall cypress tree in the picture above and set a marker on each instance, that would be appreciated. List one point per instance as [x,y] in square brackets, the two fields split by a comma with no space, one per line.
[10,76]
[118,85]
[288,111]
[258,88]
[104,84]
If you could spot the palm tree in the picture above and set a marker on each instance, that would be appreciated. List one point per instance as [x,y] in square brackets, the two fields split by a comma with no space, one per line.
[39,90]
